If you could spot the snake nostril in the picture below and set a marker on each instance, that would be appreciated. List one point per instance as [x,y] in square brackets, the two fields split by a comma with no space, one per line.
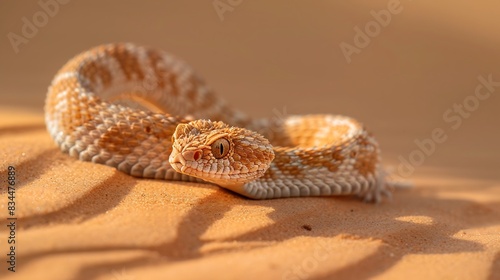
[197,155]
[191,155]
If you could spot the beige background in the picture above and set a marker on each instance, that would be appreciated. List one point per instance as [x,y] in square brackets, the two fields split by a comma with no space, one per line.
[285,55]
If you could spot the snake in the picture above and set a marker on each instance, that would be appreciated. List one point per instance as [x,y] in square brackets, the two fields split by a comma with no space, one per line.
[148,114]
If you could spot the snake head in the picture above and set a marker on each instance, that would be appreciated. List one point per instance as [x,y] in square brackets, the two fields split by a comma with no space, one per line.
[217,153]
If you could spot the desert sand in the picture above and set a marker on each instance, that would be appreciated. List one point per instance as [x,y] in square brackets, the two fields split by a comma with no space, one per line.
[79,220]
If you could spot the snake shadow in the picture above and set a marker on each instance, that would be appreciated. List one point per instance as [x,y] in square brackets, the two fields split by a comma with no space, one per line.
[104,196]
[33,167]
[399,238]
[313,217]
[299,217]
[185,246]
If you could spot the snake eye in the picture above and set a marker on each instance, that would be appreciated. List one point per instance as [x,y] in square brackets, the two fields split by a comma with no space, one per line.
[220,148]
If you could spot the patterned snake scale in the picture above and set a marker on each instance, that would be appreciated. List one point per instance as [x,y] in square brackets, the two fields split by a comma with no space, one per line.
[146,113]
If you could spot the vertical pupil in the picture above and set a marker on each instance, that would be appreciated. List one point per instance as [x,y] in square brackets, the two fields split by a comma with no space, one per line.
[221,149]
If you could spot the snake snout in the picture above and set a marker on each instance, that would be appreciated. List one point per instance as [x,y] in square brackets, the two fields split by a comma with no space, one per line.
[185,156]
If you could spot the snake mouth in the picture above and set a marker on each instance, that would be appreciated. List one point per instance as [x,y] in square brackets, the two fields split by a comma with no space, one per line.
[177,166]
[187,169]
[221,179]
[178,162]
[181,165]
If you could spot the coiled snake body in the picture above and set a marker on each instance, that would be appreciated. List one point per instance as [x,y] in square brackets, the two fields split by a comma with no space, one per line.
[192,135]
